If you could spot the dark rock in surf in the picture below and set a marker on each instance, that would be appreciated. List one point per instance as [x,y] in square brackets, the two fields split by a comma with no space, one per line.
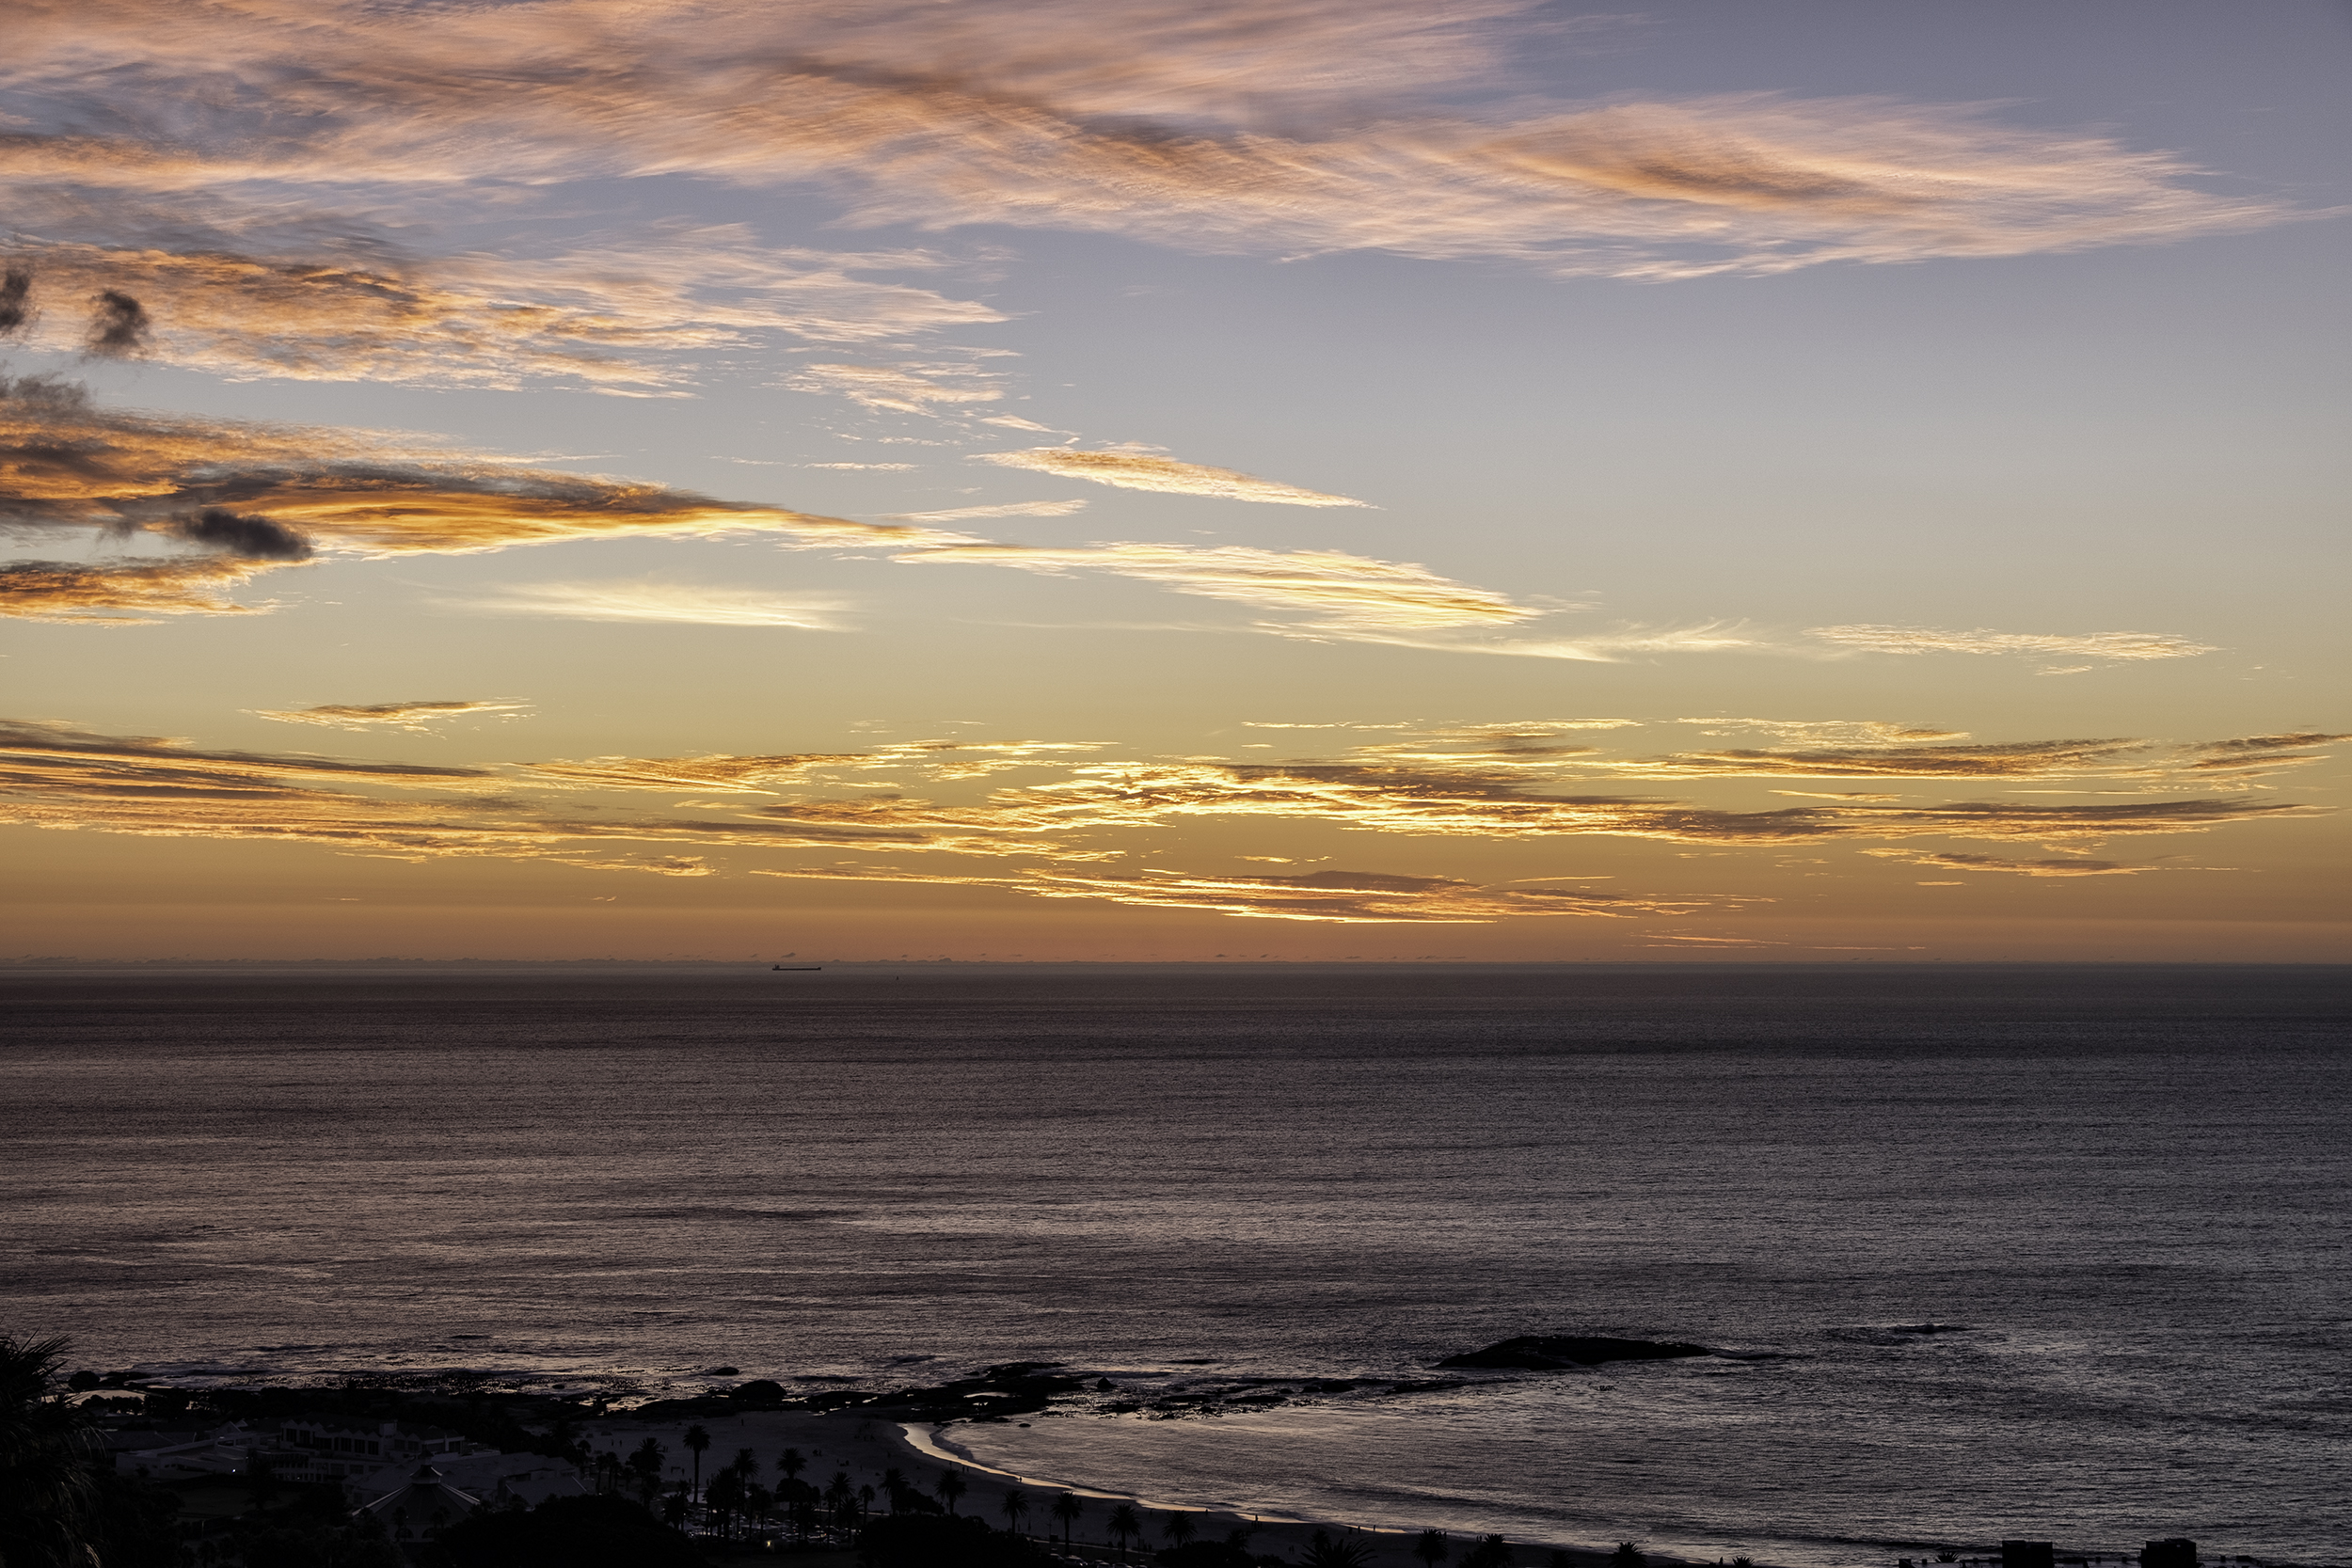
[1559,1352]
[760,1392]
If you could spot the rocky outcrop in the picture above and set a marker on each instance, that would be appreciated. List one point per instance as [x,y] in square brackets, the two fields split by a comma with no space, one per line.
[1560,1352]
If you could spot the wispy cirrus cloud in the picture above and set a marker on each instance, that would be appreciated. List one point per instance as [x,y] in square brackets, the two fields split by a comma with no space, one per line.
[971,514]
[1331,898]
[637,316]
[59,777]
[657,604]
[1139,470]
[1181,126]
[415,717]
[2058,866]
[902,390]
[944,760]
[1499,803]
[1065,826]
[2102,647]
[1347,594]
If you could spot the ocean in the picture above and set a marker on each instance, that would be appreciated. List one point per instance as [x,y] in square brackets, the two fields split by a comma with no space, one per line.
[2055,1252]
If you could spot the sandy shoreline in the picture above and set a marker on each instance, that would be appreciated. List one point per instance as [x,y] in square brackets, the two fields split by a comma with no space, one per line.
[866,1447]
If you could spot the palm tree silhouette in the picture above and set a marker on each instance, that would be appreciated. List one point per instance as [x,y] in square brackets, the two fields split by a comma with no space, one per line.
[1067,1508]
[1431,1548]
[893,1482]
[950,1488]
[45,1444]
[1177,1526]
[647,1462]
[1628,1555]
[790,1462]
[1124,1522]
[1323,1552]
[1016,1506]
[698,1440]
[1492,1551]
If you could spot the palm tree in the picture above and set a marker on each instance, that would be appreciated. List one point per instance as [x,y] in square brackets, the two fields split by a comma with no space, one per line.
[1628,1555]
[1323,1552]
[1015,1503]
[893,1482]
[1177,1526]
[673,1507]
[1124,1522]
[698,1440]
[865,1503]
[950,1488]
[1431,1548]
[647,1462]
[49,1493]
[1067,1508]
[1492,1551]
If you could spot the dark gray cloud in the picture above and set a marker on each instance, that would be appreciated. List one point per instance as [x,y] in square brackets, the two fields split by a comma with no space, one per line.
[16,287]
[118,327]
[248,538]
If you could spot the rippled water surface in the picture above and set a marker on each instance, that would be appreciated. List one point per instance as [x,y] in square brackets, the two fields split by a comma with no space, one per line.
[2128,1187]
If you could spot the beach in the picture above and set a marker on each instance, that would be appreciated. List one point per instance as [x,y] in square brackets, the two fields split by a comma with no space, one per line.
[867,1448]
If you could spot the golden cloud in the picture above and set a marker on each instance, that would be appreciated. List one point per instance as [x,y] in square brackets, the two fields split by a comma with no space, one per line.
[1143,470]
[2027,759]
[1010,509]
[1336,898]
[399,716]
[2107,647]
[1386,798]
[659,603]
[2049,867]
[54,776]
[944,760]
[124,593]
[1349,595]
[264,495]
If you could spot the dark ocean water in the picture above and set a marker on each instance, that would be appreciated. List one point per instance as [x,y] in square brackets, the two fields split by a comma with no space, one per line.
[2128,1186]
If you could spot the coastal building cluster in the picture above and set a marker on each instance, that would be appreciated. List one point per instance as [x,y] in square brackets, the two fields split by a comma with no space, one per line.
[374,1461]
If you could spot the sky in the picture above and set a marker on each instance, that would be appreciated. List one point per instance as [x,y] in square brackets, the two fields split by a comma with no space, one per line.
[1174,480]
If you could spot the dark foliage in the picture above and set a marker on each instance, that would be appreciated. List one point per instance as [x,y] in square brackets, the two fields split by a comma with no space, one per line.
[922,1541]
[568,1532]
[135,1523]
[1325,1552]
[47,1493]
[1211,1553]
[1492,1551]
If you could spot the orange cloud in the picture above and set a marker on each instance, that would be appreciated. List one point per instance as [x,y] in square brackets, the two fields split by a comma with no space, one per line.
[265,495]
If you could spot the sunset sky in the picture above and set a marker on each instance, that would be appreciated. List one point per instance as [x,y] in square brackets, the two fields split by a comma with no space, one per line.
[1175,478]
